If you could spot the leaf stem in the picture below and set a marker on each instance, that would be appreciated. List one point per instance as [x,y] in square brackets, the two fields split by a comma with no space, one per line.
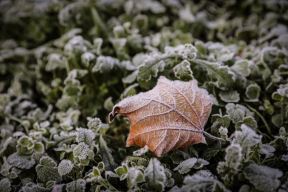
[261,117]
[213,137]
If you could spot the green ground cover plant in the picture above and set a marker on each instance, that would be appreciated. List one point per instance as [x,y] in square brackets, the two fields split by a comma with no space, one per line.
[64,64]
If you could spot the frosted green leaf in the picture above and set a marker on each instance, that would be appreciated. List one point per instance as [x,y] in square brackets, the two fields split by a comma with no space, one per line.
[186,165]
[25,145]
[222,75]
[47,170]
[88,59]
[105,64]
[233,156]
[5,185]
[97,125]
[220,121]
[56,61]
[277,120]
[227,169]
[235,112]
[272,56]
[65,102]
[134,177]
[65,167]
[93,123]
[39,147]
[108,104]
[229,96]
[122,172]
[32,187]
[249,121]
[21,161]
[68,118]
[242,67]
[155,175]
[186,51]
[130,78]
[76,186]
[97,45]
[202,180]
[81,151]
[129,91]
[247,138]
[150,68]
[183,71]
[253,92]
[267,150]
[85,135]
[4,99]
[76,45]
[263,178]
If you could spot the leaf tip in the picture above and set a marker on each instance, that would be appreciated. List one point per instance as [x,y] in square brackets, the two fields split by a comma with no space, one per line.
[113,113]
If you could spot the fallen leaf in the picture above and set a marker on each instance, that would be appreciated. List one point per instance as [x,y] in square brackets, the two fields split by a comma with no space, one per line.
[170,116]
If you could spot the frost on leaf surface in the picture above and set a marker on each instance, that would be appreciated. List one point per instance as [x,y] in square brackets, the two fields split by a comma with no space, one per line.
[262,177]
[202,180]
[155,175]
[47,170]
[170,116]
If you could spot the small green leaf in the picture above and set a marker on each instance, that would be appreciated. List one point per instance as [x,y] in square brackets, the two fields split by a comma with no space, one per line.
[229,96]
[183,71]
[253,92]
[47,170]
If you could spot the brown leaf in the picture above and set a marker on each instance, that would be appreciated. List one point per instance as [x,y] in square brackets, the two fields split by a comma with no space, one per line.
[170,116]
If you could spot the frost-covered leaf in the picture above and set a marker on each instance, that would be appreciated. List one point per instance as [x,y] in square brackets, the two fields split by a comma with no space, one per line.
[267,150]
[81,151]
[134,177]
[65,167]
[5,185]
[183,104]
[183,70]
[224,77]
[247,138]
[47,170]
[76,186]
[25,145]
[21,161]
[202,180]
[242,67]
[39,148]
[229,96]
[185,166]
[32,187]
[155,175]
[236,112]
[263,178]
[56,61]
[85,135]
[253,92]
[105,64]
